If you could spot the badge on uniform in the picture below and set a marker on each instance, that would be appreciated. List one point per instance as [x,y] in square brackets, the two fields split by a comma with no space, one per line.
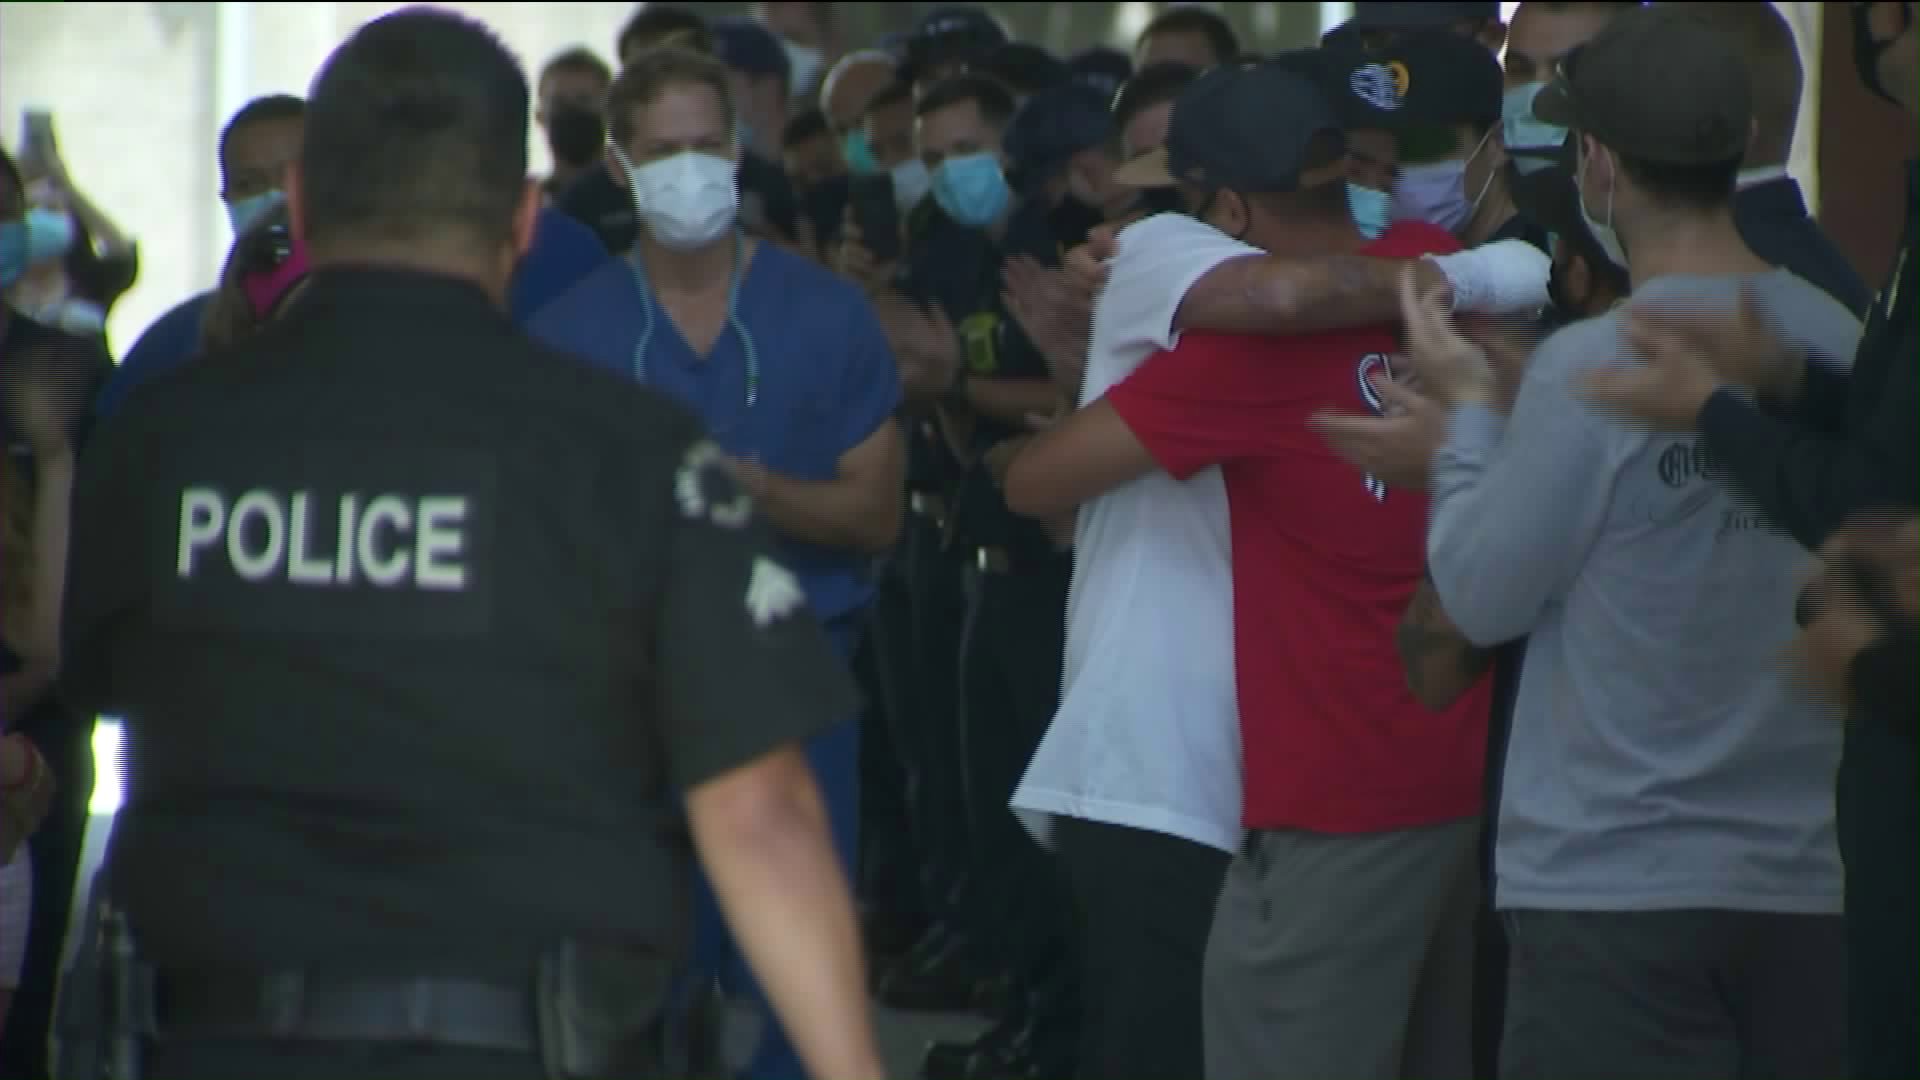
[773,593]
[705,489]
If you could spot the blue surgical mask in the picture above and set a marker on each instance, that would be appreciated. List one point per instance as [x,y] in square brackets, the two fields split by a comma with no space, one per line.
[49,235]
[13,252]
[972,189]
[910,183]
[859,154]
[244,213]
[1436,193]
[1371,209]
[1531,142]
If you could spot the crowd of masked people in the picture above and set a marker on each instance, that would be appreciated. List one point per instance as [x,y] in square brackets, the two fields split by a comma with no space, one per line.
[1409,564]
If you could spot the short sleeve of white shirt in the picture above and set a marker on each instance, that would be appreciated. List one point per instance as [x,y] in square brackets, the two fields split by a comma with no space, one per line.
[1156,262]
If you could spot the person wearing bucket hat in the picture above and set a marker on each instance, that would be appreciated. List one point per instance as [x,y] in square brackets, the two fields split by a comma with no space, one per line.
[1257,154]
[1719,914]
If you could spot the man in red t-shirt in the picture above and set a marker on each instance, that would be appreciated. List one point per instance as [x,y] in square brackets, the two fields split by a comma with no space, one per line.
[1342,945]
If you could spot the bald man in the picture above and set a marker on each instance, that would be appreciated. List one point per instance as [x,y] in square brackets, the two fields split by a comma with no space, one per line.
[845,94]
[1769,207]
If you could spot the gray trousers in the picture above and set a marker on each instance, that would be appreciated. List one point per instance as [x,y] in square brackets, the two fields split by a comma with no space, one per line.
[1675,995]
[1346,957]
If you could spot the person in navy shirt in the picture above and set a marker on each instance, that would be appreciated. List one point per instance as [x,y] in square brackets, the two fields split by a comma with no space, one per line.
[563,252]
[255,147]
[784,361]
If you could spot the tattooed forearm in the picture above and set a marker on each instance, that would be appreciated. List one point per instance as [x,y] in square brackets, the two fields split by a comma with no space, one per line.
[1441,664]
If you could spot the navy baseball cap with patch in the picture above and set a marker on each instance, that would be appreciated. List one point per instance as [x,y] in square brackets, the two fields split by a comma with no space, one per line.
[1443,79]
[745,46]
[1247,127]
[1355,102]
[1656,86]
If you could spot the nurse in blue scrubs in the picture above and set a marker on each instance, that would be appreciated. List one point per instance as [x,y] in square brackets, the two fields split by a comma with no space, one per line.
[787,365]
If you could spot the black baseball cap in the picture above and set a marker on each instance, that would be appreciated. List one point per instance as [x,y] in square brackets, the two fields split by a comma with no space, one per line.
[1655,86]
[947,34]
[746,46]
[1053,125]
[1023,68]
[1248,127]
[1101,70]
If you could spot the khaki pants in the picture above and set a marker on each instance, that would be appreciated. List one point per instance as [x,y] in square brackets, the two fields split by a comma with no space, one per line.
[1345,956]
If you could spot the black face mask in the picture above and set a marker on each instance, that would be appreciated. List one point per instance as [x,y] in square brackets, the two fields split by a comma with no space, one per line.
[1072,220]
[1867,51]
[576,134]
[1162,200]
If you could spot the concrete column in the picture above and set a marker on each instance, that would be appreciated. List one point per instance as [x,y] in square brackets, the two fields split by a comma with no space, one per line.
[230,69]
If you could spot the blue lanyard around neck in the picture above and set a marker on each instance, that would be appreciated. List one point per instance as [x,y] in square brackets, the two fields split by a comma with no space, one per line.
[751,355]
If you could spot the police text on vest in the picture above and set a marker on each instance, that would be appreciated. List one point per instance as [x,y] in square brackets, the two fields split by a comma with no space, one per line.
[384,540]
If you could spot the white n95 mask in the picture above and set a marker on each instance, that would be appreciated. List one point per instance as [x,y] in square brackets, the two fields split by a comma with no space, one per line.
[686,201]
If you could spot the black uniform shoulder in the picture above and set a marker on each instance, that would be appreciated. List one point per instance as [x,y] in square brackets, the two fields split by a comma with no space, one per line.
[467,373]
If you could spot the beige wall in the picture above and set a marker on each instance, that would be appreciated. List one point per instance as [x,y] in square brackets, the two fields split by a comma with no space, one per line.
[139,92]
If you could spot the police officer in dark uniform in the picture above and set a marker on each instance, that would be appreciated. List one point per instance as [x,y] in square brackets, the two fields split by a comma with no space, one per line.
[919,613]
[921,605]
[1010,649]
[422,633]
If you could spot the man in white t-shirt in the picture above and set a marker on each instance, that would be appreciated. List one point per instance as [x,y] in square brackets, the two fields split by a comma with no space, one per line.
[1137,782]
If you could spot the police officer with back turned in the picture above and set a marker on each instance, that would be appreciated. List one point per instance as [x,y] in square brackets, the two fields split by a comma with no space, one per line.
[422,632]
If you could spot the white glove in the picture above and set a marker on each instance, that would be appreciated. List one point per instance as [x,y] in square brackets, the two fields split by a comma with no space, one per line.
[1504,278]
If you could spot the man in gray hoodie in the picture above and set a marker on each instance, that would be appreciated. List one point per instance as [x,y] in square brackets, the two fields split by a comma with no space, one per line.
[1666,862]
